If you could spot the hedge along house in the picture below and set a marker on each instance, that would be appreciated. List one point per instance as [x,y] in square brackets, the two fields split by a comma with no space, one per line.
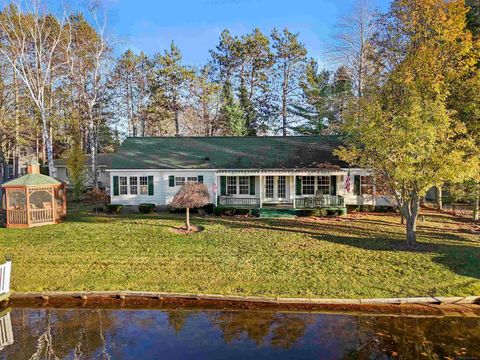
[295,172]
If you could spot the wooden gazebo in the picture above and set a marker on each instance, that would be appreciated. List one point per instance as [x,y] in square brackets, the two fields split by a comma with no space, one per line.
[33,199]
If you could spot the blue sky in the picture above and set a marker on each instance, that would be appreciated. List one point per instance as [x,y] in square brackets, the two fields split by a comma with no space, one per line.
[195,25]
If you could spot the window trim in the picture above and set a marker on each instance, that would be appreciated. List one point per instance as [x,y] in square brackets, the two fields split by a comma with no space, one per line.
[133,186]
[326,186]
[313,185]
[247,180]
[120,185]
[143,186]
[180,183]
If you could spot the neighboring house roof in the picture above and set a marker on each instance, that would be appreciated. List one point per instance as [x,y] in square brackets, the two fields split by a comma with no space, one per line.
[32,180]
[269,152]
[102,160]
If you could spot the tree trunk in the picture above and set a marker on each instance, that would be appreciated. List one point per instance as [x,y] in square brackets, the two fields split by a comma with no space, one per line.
[439,198]
[177,126]
[411,232]
[47,141]
[412,209]
[476,205]
[284,103]
[188,219]
[16,148]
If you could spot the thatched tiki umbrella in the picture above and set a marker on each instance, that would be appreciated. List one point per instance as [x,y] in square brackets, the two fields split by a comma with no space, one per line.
[191,195]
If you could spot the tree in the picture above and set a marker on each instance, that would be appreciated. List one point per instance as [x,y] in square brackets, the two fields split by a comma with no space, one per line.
[170,81]
[87,60]
[403,129]
[352,46]
[130,81]
[203,107]
[290,57]
[36,44]
[76,167]
[190,195]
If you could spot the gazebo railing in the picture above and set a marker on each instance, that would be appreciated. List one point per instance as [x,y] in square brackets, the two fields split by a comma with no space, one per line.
[41,215]
[17,216]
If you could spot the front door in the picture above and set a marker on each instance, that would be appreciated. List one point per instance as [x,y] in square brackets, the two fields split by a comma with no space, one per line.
[275,189]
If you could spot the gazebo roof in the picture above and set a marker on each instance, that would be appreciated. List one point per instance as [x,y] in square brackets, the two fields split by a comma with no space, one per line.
[32,180]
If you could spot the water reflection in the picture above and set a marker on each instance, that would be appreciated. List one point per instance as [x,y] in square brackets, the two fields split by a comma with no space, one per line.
[147,334]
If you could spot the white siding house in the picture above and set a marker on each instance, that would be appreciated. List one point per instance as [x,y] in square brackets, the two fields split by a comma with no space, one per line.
[291,172]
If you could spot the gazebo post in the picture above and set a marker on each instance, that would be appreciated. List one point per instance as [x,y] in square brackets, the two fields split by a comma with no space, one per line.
[7,205]
[27,204]
[53,204]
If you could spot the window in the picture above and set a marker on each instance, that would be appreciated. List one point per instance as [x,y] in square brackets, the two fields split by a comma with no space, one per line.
[123,185]
[269,187]
[366,185]
[143,185]
[282,190]
[192,179]
[244,185]
[323,185]
[179,180]
[308,185]
[231,185]
[133,185]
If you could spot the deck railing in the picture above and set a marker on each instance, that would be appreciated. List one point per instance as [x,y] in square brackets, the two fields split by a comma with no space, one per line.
[5,270]
[253,202]
[323,201]
[6,333]
[41,215]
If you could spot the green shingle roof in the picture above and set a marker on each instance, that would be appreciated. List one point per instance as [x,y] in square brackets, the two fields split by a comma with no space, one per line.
[32,180]
[273,152]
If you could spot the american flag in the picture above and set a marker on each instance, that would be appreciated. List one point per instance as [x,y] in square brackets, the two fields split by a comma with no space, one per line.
[347,182]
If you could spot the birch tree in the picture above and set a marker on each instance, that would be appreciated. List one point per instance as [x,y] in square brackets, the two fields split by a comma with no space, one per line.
[87,62]
[36,44]
[351,45]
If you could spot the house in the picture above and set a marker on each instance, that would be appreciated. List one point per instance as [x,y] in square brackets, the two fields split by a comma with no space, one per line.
[255,172]
[104,161]
[7,170]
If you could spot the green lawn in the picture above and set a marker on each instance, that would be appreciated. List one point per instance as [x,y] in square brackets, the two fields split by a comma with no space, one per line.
[361,255]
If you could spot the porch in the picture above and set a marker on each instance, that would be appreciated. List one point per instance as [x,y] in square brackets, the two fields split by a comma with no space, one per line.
[280,190]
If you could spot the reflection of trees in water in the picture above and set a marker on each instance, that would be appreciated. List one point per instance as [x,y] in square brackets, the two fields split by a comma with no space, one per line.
[56,334]
[177,319]
[415,338]
[282,330]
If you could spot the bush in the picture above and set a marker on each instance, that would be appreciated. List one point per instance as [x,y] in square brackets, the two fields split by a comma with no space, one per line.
[207,209]
[146,208]
[114,208]
[230,211]
[96,195]
[243,212]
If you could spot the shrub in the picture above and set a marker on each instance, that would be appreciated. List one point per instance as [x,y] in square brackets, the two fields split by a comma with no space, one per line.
[114,208]
[96,195]
[146,208]
[207,209]
[243,212]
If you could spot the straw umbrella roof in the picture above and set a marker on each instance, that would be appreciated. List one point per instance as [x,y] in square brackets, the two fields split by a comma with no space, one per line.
[191,195]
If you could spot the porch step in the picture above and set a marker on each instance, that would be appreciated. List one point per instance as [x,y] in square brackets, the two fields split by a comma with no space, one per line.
[277,213]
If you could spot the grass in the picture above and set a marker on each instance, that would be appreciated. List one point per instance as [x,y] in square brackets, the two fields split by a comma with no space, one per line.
[359,256]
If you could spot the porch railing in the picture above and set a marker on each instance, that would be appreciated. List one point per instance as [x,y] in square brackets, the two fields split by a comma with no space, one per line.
[319,201]
[239,202]
[5,270]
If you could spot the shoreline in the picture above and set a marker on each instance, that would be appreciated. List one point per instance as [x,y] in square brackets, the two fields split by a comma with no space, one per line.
[415,306]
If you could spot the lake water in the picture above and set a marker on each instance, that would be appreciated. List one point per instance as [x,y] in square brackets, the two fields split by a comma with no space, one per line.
[159,334]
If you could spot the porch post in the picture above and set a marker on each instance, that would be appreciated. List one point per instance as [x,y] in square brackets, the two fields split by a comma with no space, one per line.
[215,195]
[261,190]
[294,192]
